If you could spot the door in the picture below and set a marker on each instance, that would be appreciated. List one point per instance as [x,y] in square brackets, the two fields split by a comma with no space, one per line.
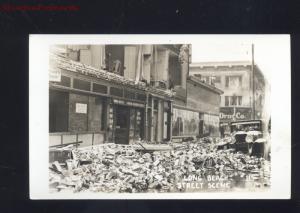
[122,117]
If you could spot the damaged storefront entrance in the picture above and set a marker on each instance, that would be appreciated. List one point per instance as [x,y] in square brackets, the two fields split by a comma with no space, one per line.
[129,124]
[122,118]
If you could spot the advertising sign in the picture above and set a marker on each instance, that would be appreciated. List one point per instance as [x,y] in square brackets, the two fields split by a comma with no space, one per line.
[55,75]
[235,113]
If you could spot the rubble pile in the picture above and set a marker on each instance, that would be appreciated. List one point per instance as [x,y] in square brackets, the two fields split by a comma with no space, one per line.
[117,168]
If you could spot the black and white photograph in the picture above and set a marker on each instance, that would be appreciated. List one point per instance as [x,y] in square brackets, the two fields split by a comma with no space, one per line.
[159,116]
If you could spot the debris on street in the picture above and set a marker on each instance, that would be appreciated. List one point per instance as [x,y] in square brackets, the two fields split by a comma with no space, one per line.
[128,168]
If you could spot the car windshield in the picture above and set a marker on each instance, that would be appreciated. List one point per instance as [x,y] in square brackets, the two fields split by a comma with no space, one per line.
[245,127]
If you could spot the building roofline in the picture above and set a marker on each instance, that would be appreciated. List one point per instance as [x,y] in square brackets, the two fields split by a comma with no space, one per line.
[208,86]
[65,63]
[220,63]
[227,64]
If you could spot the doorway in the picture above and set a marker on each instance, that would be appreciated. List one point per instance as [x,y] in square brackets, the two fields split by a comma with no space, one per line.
[122,119]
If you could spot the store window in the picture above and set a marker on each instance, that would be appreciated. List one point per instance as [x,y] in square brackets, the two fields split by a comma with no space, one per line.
[86,113]
[58,111]
[185,123]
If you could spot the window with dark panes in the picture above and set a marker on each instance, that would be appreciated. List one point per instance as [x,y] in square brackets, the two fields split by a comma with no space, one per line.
[58,111]
[116,91]
[141,97]
[99,88]
[129,94]
[64,81]
[81,84]
[114,56]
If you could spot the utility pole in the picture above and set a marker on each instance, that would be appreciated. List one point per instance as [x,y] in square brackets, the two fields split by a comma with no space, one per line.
[253,86]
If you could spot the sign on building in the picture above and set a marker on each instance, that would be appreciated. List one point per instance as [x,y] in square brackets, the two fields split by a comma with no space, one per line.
[81,108]
[228,114]
[55,74]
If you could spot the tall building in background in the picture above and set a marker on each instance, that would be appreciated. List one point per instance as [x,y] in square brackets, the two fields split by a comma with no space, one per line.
[243,86]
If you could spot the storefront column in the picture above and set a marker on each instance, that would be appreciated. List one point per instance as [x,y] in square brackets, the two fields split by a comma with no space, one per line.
[160,120]
[109,122]
[146,119]
[171,121]
[152,126]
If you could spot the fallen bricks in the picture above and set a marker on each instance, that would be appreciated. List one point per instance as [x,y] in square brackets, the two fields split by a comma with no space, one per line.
[115,168]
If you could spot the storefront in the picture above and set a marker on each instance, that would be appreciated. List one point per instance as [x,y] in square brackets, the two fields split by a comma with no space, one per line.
[128,121]
[196,111]
[210,125]
[191,123]
[185,122]
[93,108]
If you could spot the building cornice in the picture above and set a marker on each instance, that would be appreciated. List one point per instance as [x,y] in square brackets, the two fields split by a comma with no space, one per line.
[208,86]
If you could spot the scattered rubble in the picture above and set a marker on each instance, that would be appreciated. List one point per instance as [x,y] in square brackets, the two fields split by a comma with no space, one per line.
[121,168]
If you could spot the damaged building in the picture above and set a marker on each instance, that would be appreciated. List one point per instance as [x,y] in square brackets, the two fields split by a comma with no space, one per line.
[126,93]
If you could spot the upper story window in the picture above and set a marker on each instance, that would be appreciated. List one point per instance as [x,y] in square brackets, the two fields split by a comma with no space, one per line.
[233,81]
[216,79]
[209,79]
[233,100]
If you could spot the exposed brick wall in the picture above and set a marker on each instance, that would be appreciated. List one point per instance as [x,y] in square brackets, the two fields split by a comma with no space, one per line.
[202,99]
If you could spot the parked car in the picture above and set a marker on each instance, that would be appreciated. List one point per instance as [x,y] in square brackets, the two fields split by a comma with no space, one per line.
[247,137]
